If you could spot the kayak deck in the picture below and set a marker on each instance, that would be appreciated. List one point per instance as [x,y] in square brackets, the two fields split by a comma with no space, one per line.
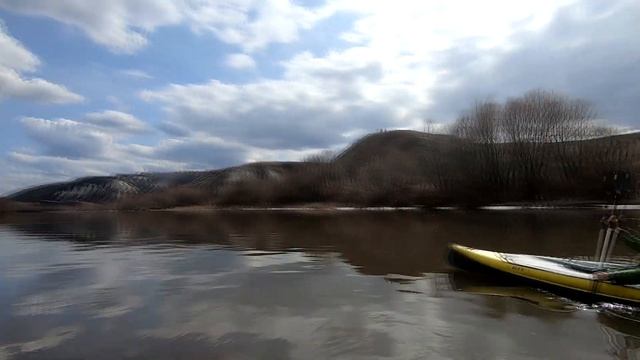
[585,265]
[552,271]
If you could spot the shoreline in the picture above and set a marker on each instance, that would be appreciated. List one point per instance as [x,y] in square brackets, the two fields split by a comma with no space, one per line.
[393,208]
[329,207]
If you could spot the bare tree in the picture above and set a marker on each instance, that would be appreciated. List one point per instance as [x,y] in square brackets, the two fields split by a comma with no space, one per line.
[429,126]
[481,127]
[325,156]
[542,126]
[531,144]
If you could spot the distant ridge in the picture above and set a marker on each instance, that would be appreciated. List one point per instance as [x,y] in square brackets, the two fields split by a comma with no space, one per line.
[100,189]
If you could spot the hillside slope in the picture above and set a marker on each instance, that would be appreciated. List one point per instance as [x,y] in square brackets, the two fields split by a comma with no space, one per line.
[100,189]
[403,143]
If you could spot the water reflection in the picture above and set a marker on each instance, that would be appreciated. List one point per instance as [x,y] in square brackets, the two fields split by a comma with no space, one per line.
[622,335]
[278,285]
[483,285]
[620,324]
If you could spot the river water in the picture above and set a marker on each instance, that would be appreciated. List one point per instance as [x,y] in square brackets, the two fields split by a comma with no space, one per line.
[278,285]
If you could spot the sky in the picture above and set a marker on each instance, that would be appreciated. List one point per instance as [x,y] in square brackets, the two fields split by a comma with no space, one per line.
[126,86]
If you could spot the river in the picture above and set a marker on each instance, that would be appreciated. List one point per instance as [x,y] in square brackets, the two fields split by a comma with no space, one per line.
[280,285]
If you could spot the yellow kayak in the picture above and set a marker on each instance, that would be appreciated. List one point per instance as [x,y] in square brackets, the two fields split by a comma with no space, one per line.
[571,275]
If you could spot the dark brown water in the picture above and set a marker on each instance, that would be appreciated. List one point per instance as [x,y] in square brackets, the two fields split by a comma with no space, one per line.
[259,285]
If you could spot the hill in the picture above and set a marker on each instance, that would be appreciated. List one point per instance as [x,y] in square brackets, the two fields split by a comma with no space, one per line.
[102,189]
[382,147]
[390,144]
[399,167]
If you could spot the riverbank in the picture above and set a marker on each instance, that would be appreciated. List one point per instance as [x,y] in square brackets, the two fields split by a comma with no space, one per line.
[497,207]
[32,207]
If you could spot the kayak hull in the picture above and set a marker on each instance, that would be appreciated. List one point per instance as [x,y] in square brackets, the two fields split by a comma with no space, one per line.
[542,271]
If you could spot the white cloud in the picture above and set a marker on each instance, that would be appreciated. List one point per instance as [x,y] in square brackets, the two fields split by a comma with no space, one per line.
[422,26]
[240,61]
[589,51]
[386,78]
[117,121]
[122,25]
[15,59]
[383,80]
[14,55]
[12,85]
[318,103]
[253,25]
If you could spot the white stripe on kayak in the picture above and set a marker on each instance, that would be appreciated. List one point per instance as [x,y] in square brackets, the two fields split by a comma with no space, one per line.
[546,265]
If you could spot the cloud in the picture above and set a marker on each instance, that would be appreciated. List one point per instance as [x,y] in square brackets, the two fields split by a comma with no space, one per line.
[38,90]
[14,55]
[383,80]
[591,52]
[420,26]
[92,137]
[253,25]
[122,26]
[116,121]
[136,74]
[388,79]
[68,138]
[174,130]
[16,59]
[240,61]
[319,103]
